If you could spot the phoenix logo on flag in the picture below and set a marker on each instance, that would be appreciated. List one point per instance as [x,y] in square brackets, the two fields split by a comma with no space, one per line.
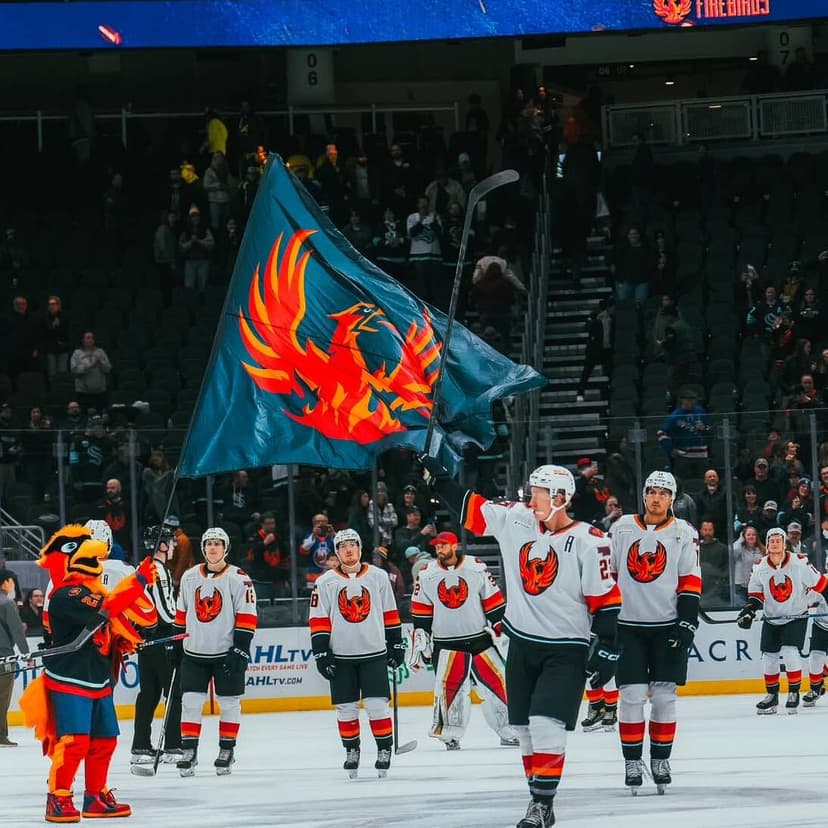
[346,399]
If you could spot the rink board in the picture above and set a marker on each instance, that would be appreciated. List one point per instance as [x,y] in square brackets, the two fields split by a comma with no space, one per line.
[282,674]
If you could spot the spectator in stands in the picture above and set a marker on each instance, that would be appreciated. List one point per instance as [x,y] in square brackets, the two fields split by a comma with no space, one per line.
[37,441]
[331,179]
[494,286]
[382,511]
[800,362]
[810,319]
[114,509]
[682,434]
[581,171]
[749,511]
[682,347]
[193,194]
[54,337]
[390,245]
[227,249]
[14,258]
[712,503]
[358,233]
[799,76]
[411,497]
[598,345]
[242,202]
[31,613]
[216,183]
[762,317]
[165,254]
[478,125]
[216,134]
[589,498]
[240,500]
[748,551]
[767,487]
[119,468]
[380,559]
[94,451]
[249,133]
[466,174]
[74,422]
[417,561]
[612,511]
[20,338]
[196,245]
[768,520]
[398,182]
[684,506]
[415,533]
[157,484]
[116,215]
[820,374]
[632,267]
[804,400]
[663,319]
[358,520]
[450,254]
[442,191]
[90,366]
[783,345]
[664,277]
[424,229]
[265,558]
[794,535]
[762,76]
[715,566]
[821,515]
[798,507]
[317,547]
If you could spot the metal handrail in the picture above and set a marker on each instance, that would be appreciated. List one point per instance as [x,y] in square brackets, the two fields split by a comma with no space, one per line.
[32,537]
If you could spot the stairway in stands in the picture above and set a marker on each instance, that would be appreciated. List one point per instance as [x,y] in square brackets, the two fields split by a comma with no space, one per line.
[570,429]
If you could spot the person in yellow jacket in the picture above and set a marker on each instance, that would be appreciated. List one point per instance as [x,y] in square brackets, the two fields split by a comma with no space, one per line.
[216,134]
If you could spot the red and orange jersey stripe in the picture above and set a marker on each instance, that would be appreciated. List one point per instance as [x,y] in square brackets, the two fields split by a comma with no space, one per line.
[420,610]
[493,602]
[473,518]
[821,585]
[759,596]
[391,618]
[689,584]
[180,618]
[610,599]
[320,625]
[246,621]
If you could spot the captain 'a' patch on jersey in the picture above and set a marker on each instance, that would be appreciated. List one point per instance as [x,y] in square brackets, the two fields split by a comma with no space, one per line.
[787,589]
[354,611]
[458,601]
[554,581]
[654,564]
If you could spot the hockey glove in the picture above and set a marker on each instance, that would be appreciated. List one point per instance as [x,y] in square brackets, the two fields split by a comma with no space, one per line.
[681,636]
[396,655]
[325,664]
[420,652]
[745,617]
[602,664]
[433,468]
[174,652]
[235,661]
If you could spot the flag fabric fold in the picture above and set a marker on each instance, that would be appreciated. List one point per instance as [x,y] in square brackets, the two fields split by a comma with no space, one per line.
[322,359]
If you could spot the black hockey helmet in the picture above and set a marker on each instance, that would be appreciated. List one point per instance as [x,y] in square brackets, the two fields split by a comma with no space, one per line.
[154,536]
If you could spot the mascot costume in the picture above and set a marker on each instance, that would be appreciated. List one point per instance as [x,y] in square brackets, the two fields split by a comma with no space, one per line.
[70,705]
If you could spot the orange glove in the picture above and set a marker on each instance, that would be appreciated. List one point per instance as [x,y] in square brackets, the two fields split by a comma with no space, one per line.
[146,571]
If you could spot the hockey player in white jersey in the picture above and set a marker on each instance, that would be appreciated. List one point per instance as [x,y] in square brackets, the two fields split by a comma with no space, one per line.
[156,664]
[217,609]
[356,635]
[818,649]
[655,557]
[780,585]
[454,600]
[560,592]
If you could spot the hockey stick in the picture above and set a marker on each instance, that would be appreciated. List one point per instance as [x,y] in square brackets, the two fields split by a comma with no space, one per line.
[151,770]
[166,640]
[75,644]
[708,620]
[478,192]
[408,746]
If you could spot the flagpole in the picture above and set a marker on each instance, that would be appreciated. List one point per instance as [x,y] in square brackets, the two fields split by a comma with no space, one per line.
[478,192]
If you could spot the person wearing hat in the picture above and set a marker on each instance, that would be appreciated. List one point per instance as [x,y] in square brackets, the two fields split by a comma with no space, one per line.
[781,585]
[195,245]
[794,537]
[414,535]
[455,600]
[417,560]
[799,506]
[380,559]
[589,499]
[682,434]
[768,519]
[767,487]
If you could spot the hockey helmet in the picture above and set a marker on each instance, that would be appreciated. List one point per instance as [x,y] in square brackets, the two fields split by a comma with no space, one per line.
[347,535]
[154,536]
[775,530]
[215,533]
[661,480]
[100,531]
[555,479]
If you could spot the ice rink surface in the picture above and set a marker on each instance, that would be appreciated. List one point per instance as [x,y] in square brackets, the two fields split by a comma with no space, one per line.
[731,769]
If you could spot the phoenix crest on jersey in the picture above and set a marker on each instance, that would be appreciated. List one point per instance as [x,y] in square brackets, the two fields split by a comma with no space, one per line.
[453,597]
[208,607]
[537,574]
[355,609]
[645,567]
[781,591]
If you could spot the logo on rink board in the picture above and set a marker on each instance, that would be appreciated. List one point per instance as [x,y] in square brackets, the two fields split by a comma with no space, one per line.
[645,567]
[207,607]
[453,597]
[537,574]
[356,609]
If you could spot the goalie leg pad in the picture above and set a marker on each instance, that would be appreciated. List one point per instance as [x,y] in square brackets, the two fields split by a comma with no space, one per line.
[452,705]
[488,671]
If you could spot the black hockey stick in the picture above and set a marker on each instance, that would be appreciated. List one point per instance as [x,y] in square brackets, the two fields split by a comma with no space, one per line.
[408,746]
[153,642]
[708,620]
[478,192]
[75,644]
[151,770]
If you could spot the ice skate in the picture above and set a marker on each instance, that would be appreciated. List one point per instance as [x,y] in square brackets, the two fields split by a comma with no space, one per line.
[610,717]
[792,702]
[812,696]
[633,774]
[538,815]
[103,805]
[594,717]
[187,764]
[768,705]
[383,762]
[224,761]
[660,769]
[453,744]
[351,762]
[509,741]
[172,756]
[61,808]
[142,756]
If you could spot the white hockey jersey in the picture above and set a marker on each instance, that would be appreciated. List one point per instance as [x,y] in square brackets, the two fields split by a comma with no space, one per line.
[114,572]
[556,581]
[784,590]
[817,602]
[456,599]
[212,606]
[654,564]
[355,610]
